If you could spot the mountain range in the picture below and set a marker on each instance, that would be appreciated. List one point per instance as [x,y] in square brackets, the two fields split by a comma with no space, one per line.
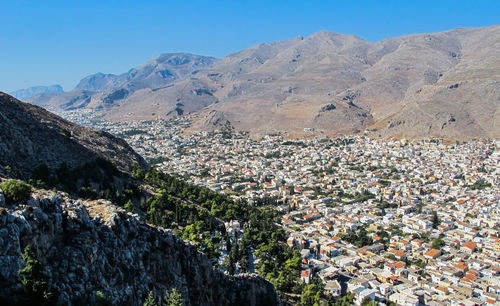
[442,84]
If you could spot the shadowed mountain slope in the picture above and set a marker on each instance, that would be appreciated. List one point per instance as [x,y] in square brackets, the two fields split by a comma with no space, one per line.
[31,136]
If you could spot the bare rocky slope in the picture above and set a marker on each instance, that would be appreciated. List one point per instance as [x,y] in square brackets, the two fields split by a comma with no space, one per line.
[439,84]
[90,246]
[31,136]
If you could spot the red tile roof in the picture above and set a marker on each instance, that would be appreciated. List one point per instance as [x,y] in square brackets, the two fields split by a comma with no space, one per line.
[470,245]
[432,253]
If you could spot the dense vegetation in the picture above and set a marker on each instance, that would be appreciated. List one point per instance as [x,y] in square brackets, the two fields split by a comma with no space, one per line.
[480,185]
[359,238]
[198,214]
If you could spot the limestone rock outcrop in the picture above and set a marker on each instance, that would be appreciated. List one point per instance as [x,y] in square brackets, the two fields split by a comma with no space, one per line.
[90,246]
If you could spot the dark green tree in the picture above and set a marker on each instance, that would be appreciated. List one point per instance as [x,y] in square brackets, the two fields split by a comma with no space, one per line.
[435,219]
[137,172]
[229,265]
[438,244]
[310,295]
[367,301]
[129,206]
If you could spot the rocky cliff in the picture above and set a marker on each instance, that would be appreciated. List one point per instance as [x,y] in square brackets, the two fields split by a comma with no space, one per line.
[90,246]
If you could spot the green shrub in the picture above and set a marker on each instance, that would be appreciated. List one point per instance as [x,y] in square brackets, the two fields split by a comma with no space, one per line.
[101,299]
[173,298]
[15,191]
[35,281]
[150,300]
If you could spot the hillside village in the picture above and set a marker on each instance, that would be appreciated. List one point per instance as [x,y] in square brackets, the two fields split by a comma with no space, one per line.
[410,222]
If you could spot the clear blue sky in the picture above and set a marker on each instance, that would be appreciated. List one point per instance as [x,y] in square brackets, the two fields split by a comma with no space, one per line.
[60,42]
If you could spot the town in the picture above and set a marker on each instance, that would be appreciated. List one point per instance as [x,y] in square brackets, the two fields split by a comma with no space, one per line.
[404,221]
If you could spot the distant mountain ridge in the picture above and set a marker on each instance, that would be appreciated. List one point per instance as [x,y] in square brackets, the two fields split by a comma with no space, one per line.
[26,93]
[442,84]
[159,71]
[101,91]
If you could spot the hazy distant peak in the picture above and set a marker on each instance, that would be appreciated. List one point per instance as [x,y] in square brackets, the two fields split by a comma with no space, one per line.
[26,93]
[325,34]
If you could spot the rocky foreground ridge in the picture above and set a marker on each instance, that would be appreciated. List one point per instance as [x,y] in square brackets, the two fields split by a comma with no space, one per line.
[90,246]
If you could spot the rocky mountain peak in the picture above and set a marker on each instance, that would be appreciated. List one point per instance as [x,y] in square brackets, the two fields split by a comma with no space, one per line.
[96,82]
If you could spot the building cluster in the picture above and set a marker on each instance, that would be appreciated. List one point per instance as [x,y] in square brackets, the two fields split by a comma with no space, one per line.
[411,222]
